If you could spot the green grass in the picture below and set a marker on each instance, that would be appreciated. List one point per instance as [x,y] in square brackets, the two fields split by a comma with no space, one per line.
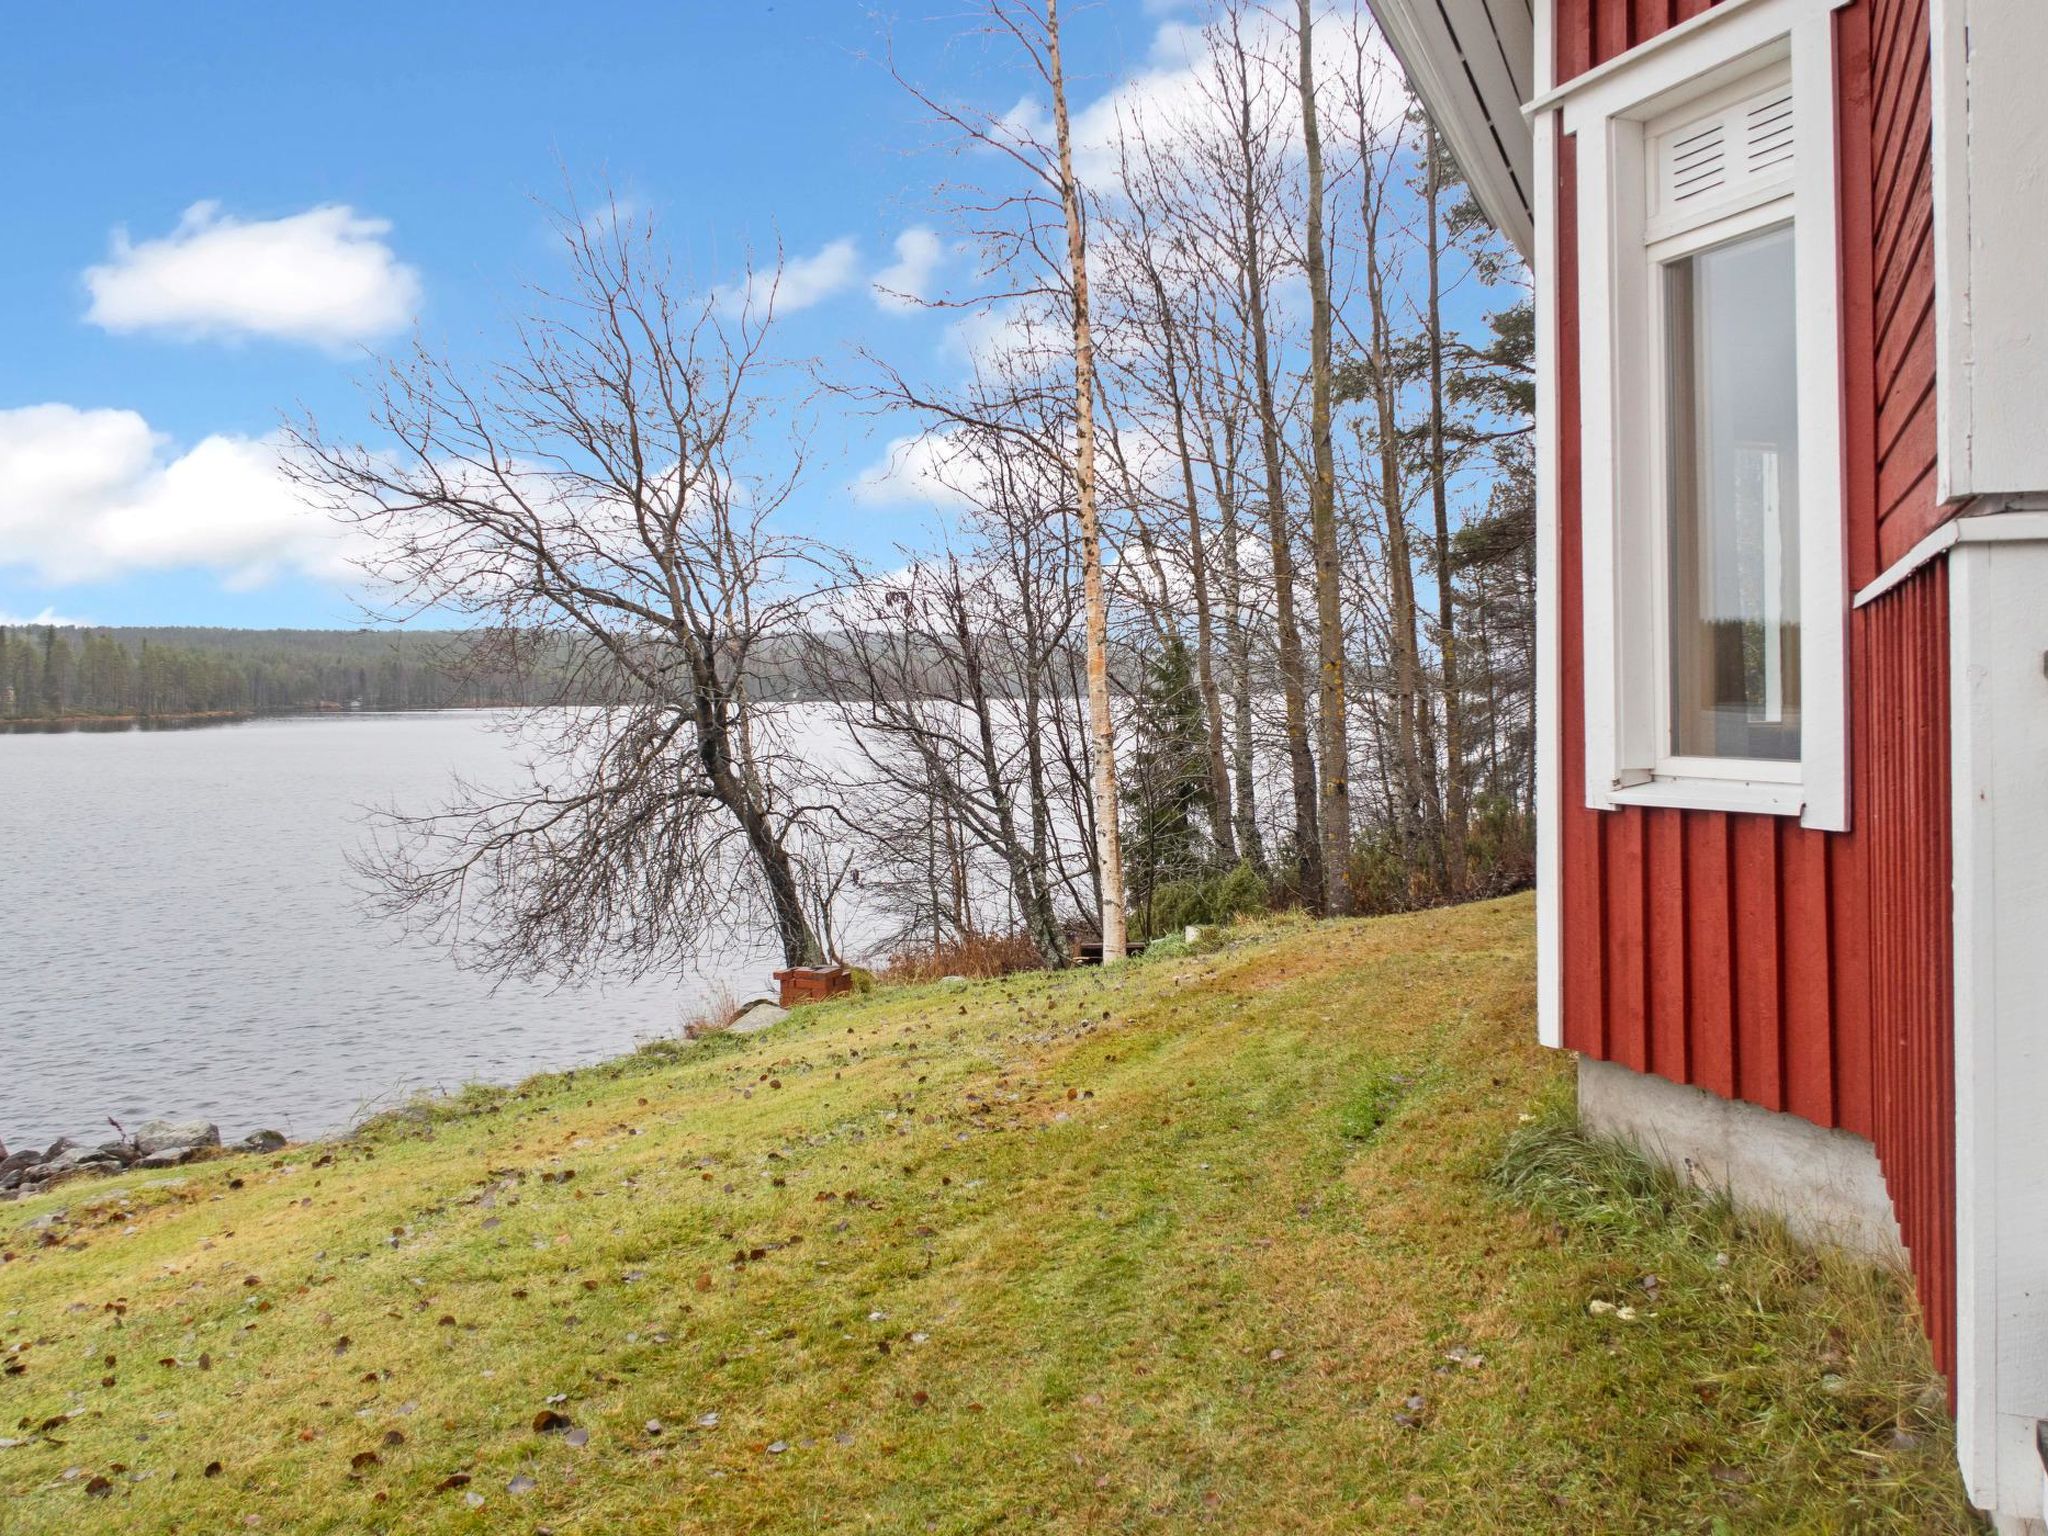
[1295,1236]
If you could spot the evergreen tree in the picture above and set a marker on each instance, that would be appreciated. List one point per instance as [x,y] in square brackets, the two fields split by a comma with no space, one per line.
[1171,806]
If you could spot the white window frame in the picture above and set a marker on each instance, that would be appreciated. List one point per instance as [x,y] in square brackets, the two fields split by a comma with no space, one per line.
[1623,443]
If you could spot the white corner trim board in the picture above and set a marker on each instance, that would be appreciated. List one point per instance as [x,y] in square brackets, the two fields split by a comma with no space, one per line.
[1990,230]
[1998,629]
[1549,702]
[1612,111]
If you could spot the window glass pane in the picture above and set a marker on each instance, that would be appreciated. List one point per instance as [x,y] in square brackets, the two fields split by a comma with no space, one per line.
[1734,501]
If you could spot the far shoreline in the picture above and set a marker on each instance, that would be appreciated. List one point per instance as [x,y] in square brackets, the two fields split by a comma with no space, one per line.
[64,725]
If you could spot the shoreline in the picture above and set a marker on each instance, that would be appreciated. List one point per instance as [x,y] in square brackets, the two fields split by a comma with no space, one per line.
[158,1145]
[62,725]
[59,725]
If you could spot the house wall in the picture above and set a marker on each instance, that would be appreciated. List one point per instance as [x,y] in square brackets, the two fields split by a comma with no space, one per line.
[1911,939]
[1799,970]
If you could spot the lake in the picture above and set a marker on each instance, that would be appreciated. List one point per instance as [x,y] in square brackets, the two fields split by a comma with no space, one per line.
[181,935]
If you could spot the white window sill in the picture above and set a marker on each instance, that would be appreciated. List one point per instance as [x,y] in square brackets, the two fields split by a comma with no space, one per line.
[1755,797]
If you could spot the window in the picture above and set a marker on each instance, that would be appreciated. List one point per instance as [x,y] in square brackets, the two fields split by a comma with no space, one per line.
[1711,534]
[1733,435]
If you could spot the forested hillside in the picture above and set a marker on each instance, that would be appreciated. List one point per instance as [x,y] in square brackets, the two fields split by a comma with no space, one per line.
[52,673]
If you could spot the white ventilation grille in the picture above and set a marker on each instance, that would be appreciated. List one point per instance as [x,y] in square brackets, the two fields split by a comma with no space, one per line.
[1709,164]
[1767,132]
[1698,162]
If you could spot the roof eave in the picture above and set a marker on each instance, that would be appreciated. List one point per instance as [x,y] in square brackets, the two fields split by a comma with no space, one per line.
[1471,62]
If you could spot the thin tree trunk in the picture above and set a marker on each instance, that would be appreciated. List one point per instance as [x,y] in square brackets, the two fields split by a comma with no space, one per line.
[1293,684]
[1333,807]
[1411,714]
[727,780]
[1033,902]
[1198,575]
[1447,639]
[1109,850]
[1237,644]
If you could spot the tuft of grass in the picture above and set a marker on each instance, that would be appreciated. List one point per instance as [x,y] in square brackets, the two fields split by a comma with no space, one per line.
[1157,1247]
[1371,1103]
[1598,1183]
[1793,1353]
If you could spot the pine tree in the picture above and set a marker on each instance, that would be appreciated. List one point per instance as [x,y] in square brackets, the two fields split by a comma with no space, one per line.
[1172,806]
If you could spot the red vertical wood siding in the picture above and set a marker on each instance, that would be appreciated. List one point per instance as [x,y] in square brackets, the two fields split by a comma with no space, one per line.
[1803,971]
[1912,956]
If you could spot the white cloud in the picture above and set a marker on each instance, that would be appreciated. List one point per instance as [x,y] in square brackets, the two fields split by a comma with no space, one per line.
[90,494]
[907,283]
[921,469]
[324,276]
[49,616]
[803,281]
[1169,97]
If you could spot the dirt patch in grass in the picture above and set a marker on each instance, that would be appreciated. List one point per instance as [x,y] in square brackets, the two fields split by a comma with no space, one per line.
[1257,1240]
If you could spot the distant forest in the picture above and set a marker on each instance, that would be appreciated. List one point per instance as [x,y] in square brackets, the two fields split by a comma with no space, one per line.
[52,673]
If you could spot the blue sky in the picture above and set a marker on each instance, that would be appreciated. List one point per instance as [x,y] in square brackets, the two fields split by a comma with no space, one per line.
[376,164]
[730,122]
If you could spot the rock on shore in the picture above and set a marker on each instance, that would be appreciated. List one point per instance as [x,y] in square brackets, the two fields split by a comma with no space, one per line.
[153,1144]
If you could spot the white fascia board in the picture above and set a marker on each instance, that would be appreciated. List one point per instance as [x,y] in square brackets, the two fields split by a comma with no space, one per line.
[1418,33]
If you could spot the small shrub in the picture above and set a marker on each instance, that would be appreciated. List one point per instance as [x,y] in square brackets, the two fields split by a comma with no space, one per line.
[977,956]
[714,1015]
[1500,849]
[1171,947]
[1220,898]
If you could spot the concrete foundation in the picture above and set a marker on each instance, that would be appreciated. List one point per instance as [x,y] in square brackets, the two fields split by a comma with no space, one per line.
[1825,1184]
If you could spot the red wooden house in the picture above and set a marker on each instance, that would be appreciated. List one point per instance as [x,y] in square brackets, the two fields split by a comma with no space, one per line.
[1791,261]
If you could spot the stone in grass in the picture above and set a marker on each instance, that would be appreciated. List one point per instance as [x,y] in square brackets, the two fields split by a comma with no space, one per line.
[262,1141]
[168,1157]
[155,1135]
[78,1160]
[757,1016]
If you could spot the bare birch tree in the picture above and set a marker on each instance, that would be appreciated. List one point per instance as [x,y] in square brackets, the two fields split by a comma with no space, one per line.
[1108,834]
[603,489]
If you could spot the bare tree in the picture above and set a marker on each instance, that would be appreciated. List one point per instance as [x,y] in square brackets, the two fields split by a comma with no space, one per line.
[1249,169]
[601,489]
[1108,836]
[1157,299]
[1334,805]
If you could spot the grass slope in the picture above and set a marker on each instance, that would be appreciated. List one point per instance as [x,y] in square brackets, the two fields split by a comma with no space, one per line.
[1219,1242]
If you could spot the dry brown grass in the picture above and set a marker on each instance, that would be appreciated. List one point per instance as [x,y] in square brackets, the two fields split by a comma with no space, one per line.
[978,957]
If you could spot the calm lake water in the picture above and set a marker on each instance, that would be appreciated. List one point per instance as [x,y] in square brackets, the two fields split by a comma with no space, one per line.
[180,934]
